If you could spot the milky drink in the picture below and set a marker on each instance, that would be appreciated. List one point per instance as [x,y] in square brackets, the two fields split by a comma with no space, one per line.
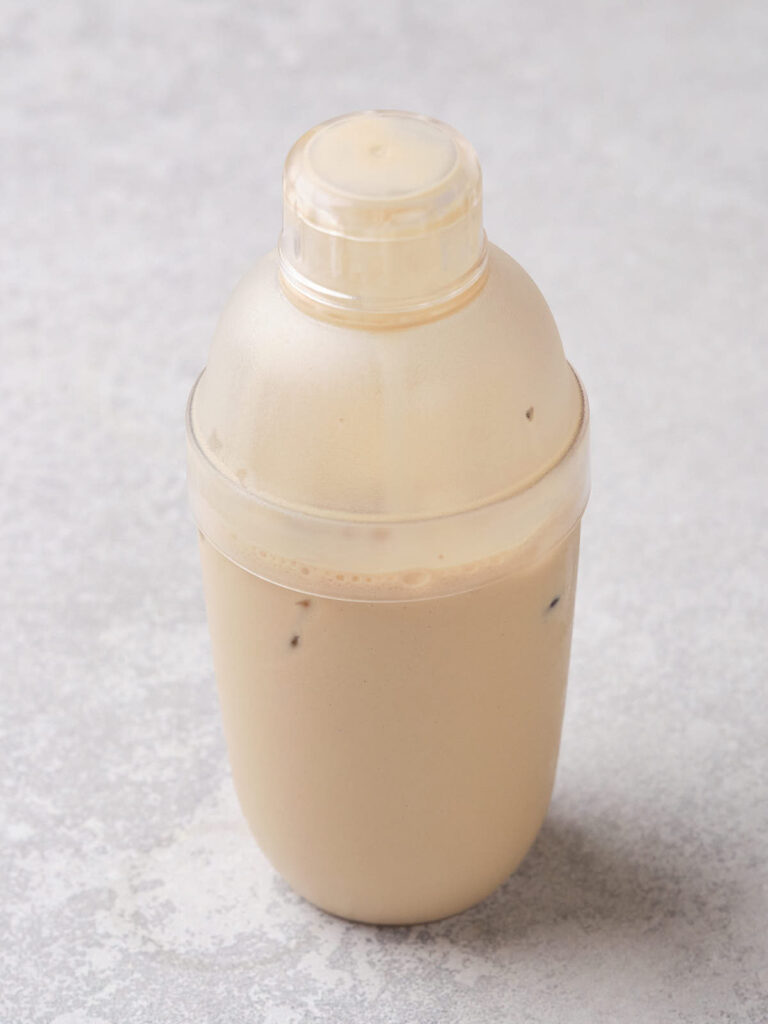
[388,466]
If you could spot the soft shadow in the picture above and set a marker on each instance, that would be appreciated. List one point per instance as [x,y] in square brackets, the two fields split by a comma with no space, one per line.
[584,880]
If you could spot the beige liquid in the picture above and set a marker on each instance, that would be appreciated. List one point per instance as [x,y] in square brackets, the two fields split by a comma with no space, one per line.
[387,419]
[394,759]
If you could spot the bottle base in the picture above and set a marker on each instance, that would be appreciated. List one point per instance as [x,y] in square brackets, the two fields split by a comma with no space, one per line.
[404,917]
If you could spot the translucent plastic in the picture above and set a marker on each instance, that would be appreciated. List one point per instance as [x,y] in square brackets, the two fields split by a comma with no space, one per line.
[382,218]
[388,463]
[321,455]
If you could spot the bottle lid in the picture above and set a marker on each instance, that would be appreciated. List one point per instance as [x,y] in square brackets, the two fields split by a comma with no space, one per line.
[382,219]
[419,433]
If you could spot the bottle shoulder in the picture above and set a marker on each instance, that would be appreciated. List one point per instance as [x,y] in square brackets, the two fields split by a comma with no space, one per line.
[423,420]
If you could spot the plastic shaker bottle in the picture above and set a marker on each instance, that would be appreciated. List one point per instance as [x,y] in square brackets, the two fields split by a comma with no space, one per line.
[388,464]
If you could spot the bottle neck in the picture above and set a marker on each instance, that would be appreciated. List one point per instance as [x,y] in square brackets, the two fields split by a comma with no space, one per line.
[381,285]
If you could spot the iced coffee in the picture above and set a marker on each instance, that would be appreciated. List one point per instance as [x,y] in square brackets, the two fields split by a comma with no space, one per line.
[388,468]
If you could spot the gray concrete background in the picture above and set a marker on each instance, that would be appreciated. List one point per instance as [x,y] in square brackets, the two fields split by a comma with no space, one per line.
[624,150]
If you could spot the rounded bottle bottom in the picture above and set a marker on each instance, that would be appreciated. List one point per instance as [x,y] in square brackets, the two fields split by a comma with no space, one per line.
[394,760]
[373,910]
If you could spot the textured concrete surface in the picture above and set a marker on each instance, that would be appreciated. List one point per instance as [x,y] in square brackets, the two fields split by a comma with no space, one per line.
[625,163]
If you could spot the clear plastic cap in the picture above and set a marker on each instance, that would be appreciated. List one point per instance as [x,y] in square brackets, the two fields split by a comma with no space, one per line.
[382,219]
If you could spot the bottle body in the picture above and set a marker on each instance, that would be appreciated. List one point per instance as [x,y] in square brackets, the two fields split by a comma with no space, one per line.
[394,759]
[388,465]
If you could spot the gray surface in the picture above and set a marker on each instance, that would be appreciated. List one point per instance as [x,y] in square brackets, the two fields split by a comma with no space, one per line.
[624,153]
